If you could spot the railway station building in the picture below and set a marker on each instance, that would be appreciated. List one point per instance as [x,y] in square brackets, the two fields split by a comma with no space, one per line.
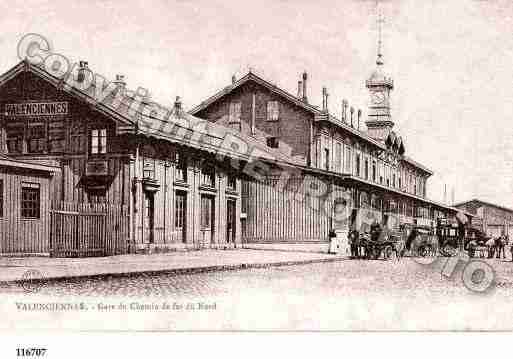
[110,177]
[370,163]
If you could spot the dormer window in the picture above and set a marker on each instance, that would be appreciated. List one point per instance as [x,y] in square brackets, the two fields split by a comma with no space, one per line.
[98,141]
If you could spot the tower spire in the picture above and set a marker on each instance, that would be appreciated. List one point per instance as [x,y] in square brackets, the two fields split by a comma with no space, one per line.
[380,20]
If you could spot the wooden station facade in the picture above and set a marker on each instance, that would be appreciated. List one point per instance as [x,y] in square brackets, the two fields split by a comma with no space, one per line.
[369,166]
[148,183]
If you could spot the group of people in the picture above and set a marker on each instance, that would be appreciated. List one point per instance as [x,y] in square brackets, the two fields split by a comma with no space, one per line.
[495,246]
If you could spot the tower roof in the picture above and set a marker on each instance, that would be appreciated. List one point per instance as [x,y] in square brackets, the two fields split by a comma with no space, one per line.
[378,77]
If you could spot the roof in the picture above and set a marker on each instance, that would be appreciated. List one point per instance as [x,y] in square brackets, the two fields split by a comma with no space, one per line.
[318,114]
[11,162]
[484,203]
[174,125]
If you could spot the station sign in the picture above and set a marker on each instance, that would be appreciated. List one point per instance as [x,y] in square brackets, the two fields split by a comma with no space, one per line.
[36,109]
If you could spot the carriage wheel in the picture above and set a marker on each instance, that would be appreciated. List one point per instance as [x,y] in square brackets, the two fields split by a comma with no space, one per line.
[422,251]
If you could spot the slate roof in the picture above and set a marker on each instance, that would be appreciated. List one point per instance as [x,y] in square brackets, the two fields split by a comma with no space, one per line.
[318,114]
[175,126]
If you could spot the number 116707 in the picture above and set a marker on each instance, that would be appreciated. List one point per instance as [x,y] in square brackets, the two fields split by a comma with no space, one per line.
[30,352]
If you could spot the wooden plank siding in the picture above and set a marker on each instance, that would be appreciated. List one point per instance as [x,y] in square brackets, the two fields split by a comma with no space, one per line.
[290,215]
[165,178]
[23,235]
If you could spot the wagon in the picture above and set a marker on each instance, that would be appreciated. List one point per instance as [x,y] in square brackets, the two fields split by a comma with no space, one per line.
[375,247]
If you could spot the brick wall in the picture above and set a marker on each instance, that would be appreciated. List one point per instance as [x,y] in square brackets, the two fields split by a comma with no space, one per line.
[292,128]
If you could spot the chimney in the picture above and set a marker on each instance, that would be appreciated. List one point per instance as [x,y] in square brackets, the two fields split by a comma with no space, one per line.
[359,114]
[234,79]
[352,111]
[324,99]
[178,104]
[82,68]
[299,89]
[120,81]
[344,110]
[305,76]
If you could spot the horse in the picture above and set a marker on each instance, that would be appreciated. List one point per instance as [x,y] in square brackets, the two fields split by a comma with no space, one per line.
[500,244]
[355,243]
[491,245]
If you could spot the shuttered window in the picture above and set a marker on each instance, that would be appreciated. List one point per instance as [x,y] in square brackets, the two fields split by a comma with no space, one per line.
[77,138]
[273,111]
[30,200]
[235,112]
[36,138]
[15,138]
[56,136]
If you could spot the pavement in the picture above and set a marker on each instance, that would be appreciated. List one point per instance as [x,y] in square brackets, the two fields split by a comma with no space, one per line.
[14,269]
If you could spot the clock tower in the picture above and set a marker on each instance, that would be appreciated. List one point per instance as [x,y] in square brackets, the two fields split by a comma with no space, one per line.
[379,122]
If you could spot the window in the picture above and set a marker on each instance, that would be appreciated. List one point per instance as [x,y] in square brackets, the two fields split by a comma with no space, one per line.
[149,168]
[366,169]
[235,112]
[206,212]
[393,180]
[374,171]
[181,167]
[357,164]
[180,210]
[208,176]
[348,160]
[36,138]
[77,138]
[1,198]
[232,182]
[30,200]
[326,159]
[338,161]
[273,142]
[99,141]
[400,187]
[273,111]
[56,137]
[15,138]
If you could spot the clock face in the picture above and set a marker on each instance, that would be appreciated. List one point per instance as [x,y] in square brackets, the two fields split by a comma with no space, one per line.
[378,97]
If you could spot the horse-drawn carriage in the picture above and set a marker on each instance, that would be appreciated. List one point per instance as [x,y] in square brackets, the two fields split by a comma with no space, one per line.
[378,243]
[477,244]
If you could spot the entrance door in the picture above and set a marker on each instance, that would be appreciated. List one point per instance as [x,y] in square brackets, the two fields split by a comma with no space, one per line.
[180,216]
[230,221]
[207,219]
[149,217]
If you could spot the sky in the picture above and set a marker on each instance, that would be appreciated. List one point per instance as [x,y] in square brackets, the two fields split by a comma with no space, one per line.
[451,61]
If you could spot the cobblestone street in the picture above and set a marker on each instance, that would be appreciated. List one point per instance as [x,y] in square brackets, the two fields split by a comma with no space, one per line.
[344,277]
[366,294]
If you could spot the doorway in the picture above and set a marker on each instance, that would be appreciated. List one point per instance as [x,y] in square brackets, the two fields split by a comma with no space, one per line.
[149,217]
[230,221]
[207,219]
